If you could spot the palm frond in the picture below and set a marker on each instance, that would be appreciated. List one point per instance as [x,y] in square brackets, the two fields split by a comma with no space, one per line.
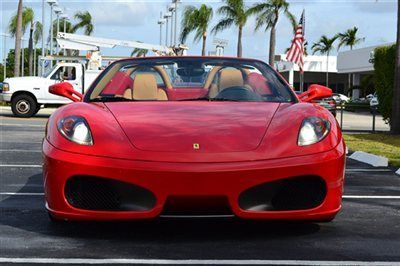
[222,25]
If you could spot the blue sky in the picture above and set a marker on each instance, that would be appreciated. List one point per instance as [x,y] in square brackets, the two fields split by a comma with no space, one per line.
[137,20]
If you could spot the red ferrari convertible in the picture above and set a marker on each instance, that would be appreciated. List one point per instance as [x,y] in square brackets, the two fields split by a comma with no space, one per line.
[192,136]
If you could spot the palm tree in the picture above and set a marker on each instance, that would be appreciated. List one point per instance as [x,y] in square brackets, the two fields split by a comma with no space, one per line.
[196,20]
[234,12]
[139,52]
[84,22]
[324,46]
[349,38]
[268,14]
[18,36]
[35,31]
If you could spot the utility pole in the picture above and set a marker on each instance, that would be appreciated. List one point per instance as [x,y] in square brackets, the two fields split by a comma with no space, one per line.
[166,17]
[161,22]
[43,48]
[176,2]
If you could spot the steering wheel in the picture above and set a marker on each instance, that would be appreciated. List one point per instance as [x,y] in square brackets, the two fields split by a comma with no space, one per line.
[238,93]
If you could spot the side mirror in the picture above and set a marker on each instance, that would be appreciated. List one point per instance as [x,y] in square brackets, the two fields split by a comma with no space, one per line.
[315,92]
[66,90]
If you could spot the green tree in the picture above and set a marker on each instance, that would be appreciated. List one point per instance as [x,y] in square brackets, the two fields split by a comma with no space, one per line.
[324,47]
[35,31]
[384,65]
[137,52]
[198,20]
[84,21]
[349,38]
[395,129]
[235,13]
[268,14]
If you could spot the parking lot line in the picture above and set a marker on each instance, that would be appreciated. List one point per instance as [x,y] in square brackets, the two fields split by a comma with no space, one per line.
[354,170]
[15,150]
[22,125]
[369,197]
[191,262]
[21,165]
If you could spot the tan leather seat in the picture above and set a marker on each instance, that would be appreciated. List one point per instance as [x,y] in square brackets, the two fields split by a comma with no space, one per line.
[227,78]
[145,89]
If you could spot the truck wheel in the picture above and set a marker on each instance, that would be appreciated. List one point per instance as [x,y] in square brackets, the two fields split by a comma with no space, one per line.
[37,110]
[23,105]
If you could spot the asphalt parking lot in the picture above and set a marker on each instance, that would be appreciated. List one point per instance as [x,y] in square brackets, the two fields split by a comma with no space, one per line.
[366,232]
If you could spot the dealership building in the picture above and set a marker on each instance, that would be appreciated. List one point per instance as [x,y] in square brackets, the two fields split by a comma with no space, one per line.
[355,64]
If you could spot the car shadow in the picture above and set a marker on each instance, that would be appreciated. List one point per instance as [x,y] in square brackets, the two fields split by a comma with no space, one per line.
[28,213]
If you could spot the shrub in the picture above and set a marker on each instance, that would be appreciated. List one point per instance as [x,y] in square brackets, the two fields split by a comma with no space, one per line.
[384,65]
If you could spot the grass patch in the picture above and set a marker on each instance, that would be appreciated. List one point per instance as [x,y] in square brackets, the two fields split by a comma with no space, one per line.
[379,144]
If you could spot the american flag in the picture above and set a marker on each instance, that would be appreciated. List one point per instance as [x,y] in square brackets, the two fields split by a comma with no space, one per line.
[296,51]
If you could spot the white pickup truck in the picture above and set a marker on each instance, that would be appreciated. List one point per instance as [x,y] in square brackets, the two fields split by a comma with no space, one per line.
[28,94]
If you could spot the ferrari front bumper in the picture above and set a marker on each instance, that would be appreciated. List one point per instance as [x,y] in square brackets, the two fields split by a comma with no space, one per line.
[203,180]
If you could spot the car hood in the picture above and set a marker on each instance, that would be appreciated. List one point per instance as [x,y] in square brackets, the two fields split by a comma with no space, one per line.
[24,80]
[194,126]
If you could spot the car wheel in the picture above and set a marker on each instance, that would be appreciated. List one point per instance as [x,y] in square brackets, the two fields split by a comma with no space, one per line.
[37,110]
[23,105]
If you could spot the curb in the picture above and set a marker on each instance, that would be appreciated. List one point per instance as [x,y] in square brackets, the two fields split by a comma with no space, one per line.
[371,159]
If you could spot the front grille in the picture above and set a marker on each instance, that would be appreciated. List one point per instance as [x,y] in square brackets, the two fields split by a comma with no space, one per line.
[298,193]
[197,205]
[94,193]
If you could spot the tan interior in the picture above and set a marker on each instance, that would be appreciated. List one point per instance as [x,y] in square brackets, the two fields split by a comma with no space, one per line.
[227,78]
[164,76]
[145,89]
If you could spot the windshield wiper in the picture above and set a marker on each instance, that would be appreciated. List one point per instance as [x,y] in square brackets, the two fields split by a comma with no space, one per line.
[111,99]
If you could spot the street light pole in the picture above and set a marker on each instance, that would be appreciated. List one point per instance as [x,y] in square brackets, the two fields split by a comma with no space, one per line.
[51,3]
[166,17]
[23,57]
[176,2]
[58,12]
[171,9]
[65,17]
[43,48]
[161,22]
[4,55]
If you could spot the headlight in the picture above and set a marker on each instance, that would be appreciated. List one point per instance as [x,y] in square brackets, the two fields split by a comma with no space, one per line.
[6,87]
[313,130]
[75,129]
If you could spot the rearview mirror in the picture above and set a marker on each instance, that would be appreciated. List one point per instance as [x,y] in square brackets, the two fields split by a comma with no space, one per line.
[315,92]
[65,89]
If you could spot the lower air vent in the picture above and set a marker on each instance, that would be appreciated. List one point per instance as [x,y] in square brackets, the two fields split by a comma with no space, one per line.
[94,193]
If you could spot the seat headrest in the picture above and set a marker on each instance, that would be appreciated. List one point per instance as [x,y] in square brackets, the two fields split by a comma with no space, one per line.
[230,78]
[258,83]
[145,87]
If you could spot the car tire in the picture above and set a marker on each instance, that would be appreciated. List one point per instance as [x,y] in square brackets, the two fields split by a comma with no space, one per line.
[23,105]
[37,110]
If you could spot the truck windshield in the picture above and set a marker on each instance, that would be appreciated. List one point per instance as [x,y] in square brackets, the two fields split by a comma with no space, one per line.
[47,73]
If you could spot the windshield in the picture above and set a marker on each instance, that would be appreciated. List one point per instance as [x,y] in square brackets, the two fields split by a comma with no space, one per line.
[48,72]
[190,79]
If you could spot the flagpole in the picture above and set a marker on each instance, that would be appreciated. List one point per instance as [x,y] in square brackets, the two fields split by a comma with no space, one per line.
[302,70]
